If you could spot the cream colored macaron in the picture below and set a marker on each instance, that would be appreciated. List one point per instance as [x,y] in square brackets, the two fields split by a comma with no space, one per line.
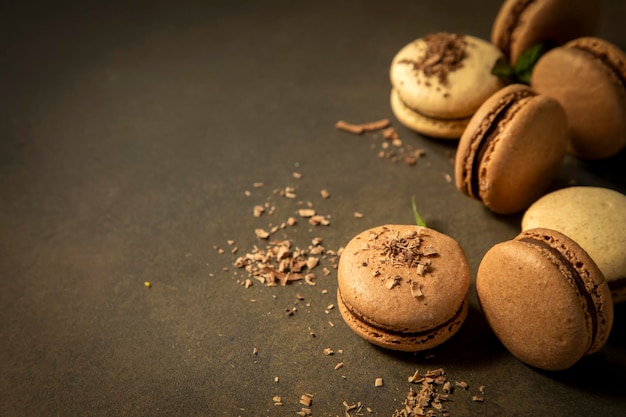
[595,218]
[442,78]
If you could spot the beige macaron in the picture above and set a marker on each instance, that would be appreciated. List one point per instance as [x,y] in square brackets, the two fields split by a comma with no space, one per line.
[595,217]
[438,81]
[512,149]
[521,24]
[587,76]
[545,299]
[403,287]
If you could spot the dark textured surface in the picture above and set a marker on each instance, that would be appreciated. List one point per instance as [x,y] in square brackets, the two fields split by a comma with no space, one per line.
[129,135]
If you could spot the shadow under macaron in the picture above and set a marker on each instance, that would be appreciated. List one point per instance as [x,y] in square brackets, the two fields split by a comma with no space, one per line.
[603,371]
[472,346]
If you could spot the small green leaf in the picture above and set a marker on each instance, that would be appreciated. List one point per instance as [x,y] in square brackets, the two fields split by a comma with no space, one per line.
[527,60]
[523,69]
[418,218]
[502,69]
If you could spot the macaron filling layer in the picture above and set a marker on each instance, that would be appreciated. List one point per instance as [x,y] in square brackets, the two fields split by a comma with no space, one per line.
[406,332]
[435,119]
[512,103]
[573,277]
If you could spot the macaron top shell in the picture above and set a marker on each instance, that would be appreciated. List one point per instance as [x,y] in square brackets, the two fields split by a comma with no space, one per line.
[403,278]
[545,299]
[595,217]
[521,24]
[445,76]
[588,77]
[511,149]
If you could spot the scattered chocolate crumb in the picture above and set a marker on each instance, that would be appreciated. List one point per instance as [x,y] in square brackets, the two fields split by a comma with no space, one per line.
[261,234]
[258,210]
[363,127]
[318,220]
[434,390]
[416,289]
[306,399]
[349,127]
[306,212]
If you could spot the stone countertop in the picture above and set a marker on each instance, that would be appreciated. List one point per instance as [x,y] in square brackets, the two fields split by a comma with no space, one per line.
[137,138]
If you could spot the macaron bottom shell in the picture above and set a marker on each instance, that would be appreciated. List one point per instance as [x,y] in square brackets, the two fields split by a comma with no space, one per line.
[429,126]
[402,341]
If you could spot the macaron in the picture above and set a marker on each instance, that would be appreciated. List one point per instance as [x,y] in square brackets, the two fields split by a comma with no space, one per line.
[438,81]
[594,217]
[521,24]
[511,149]
[545,299]
[588,77]
[403,287]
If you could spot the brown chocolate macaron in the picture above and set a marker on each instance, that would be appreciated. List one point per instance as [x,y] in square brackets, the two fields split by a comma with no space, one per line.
[545,299]
[403,287]
[588,77]
[521,24]
[511,149]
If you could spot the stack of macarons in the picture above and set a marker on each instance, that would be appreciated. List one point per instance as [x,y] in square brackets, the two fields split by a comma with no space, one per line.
[511,146]
[548,293]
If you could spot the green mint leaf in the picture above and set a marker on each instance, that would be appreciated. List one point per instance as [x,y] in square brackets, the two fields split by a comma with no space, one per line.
[527,60]
[503,70]
[418,218]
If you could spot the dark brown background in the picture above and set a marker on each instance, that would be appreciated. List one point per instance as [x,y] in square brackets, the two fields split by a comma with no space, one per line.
[129,135]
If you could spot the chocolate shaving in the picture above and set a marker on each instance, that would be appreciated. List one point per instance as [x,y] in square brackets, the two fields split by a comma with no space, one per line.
[444,54]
